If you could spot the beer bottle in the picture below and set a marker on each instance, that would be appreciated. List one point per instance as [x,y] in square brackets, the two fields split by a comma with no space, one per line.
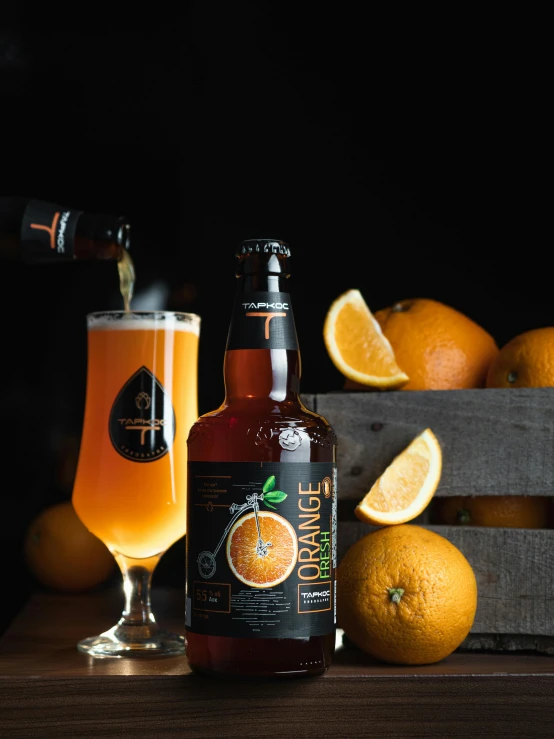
[262,490]
[39,232]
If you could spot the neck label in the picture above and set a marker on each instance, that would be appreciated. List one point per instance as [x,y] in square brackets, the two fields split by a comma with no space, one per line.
[262,320]
[48,232]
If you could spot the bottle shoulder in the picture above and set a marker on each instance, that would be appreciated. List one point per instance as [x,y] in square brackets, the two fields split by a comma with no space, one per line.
[294,413]
[262,431]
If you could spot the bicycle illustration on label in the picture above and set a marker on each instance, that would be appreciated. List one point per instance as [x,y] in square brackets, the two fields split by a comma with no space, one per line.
[261,546]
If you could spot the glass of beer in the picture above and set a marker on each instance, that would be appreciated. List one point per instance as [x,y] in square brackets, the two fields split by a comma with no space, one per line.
[130,485]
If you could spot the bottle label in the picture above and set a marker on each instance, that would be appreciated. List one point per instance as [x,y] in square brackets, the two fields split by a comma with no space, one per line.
[48,232]
[142,419]
[261,549]
[262,320]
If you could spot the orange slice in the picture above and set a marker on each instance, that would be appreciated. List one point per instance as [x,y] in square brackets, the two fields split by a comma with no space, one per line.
[407,485]
[264,558]
[357,346]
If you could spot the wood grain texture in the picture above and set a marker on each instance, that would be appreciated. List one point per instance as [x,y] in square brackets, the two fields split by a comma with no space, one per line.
[48,689]
[494,442]
[506,707]
[514,570]
[509,643]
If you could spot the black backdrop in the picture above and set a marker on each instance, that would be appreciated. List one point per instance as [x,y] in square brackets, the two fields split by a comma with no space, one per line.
[404,155]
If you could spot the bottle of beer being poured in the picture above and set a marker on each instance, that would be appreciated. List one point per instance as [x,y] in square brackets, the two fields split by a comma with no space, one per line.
[262,490]
[35,232]
[40,232]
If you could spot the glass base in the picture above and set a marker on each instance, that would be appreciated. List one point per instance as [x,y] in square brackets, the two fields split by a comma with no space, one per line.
[109,644]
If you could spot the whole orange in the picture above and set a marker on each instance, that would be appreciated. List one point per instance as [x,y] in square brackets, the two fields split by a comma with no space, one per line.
[437,346]
[508,511]
[62,553]
[527,360]
[406,595]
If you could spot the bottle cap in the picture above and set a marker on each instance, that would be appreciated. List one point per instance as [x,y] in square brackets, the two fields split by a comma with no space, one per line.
[263,246]
[265,256]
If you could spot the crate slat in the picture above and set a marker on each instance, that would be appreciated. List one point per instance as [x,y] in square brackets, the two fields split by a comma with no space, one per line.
[494,441]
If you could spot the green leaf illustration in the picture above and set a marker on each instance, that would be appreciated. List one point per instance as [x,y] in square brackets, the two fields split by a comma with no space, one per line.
[275,496]
[269,484]
[271,506]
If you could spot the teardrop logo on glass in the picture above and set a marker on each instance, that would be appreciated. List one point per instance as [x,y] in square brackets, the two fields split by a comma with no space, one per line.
[142,419]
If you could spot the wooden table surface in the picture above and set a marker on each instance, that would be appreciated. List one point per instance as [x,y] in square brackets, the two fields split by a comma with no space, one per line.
[49,689]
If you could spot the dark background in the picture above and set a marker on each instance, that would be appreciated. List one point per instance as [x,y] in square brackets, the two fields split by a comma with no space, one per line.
[403,155]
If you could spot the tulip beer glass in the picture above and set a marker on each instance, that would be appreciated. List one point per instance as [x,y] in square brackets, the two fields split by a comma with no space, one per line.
[130,485]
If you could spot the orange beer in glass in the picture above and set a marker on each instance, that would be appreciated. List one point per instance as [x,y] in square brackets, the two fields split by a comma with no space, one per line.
[130,484]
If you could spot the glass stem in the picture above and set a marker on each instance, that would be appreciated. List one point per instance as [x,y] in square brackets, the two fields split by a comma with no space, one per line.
[137,621]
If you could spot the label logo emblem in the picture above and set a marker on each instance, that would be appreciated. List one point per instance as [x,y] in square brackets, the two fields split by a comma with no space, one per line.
[56,235]
[267,317]
[142,419]
[290,439]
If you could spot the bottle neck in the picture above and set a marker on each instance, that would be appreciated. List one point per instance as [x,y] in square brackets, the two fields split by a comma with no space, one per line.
[101,237]
[262,357]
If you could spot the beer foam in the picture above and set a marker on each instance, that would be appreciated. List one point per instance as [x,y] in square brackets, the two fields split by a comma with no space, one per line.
[143,321]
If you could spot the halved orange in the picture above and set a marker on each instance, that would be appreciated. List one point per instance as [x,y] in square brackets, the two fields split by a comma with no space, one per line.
[407,485]
[264,559]
[357,346]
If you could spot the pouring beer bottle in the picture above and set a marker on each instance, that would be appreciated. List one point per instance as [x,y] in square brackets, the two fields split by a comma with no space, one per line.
[40,232]
[261,542]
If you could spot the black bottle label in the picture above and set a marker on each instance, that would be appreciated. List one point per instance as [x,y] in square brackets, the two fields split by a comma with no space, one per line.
[262,320]
[48,232]
[261,549]
[142,419]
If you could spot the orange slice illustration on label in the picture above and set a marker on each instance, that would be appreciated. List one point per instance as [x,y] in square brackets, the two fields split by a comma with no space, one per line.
[262,557]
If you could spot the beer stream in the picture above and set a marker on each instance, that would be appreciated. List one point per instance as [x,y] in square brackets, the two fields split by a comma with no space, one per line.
[126,269]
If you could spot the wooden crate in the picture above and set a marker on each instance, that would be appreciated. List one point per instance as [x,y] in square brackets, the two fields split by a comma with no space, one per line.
[494,442]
